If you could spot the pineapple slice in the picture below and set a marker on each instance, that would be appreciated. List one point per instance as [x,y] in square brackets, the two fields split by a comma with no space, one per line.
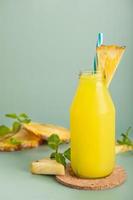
[26,139]
[122,148]
[108,60]
[45,130]
[47,166]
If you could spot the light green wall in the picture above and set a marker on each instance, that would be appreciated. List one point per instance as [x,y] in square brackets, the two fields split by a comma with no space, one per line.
[44,44]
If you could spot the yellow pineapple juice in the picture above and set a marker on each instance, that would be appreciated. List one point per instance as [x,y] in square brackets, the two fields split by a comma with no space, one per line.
[92,126]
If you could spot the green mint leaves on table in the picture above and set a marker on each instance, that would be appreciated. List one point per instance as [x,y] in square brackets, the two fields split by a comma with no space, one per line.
[125,138]
[16,125]
[54,142]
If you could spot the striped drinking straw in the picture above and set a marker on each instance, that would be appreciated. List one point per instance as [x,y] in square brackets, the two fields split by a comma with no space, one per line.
[99,43]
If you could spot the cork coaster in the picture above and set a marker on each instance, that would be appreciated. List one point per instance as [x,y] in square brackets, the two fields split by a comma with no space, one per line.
[116,178]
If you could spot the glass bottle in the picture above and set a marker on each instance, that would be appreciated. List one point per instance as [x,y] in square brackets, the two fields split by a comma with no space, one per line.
[92,126]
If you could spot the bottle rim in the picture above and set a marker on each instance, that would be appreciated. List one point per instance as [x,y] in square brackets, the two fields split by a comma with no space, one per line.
[88,73]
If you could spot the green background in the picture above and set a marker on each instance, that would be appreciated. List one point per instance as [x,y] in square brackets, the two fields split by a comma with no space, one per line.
[43,46]
[45,43]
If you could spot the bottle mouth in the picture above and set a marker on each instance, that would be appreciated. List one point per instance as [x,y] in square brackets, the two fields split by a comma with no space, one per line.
[89,73]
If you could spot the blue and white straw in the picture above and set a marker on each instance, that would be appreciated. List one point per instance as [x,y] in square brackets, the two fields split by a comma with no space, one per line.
[99,43]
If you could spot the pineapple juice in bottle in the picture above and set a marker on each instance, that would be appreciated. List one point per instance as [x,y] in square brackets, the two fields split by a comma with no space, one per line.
[92,126]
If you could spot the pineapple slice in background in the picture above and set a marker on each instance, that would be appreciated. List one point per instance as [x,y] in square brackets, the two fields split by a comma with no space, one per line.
[23,139]
[46,130]
[47,166]
[109,57]
[122,148]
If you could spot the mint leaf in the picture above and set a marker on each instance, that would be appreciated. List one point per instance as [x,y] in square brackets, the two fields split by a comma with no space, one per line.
[12,115]
[16,126]
[19,120]
[119,142]
[67,154]
[24,118]
[54,141]
[26,121]
[52,155]
[15,141]
[60,159]
[23,115]
[125,138]
[4,130]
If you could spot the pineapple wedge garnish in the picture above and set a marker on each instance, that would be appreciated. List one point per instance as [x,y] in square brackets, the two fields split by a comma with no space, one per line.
[47,166]
[109,57]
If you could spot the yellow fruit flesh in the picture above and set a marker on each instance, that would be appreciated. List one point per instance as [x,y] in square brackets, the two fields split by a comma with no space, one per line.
[123,148]
[45,130]
[48,167]
[26,138]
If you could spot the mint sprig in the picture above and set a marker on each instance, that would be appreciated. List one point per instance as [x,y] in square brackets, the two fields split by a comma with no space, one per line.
[125,139]
[22,117]
[54,143]
[16,125]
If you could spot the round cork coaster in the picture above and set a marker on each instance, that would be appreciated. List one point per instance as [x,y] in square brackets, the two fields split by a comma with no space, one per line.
[116,178]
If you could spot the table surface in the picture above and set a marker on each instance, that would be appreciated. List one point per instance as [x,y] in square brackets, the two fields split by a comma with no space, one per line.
[16,181]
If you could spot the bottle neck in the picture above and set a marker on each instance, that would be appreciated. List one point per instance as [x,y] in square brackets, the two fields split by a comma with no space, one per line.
[92,79]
